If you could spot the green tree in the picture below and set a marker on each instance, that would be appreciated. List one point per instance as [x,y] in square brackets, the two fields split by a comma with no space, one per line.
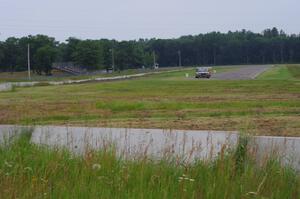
[239,47]
[88,54]
[44,58]
[11,53]
[1,57]
[148,59]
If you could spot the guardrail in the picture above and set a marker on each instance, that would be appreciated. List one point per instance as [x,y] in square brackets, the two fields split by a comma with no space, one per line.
[69,69]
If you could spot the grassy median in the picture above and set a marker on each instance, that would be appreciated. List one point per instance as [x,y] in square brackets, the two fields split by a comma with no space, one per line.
[170,100]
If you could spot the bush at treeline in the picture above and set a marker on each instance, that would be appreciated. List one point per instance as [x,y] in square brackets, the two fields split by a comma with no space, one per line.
[215,48]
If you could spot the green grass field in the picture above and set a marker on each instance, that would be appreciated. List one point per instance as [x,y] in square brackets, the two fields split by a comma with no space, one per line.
[61,76]
[282,72]
[30,171]
[267,106]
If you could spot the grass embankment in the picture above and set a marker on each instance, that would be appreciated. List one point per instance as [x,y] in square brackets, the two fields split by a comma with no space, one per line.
[168,100]
[30,171]
[61,76]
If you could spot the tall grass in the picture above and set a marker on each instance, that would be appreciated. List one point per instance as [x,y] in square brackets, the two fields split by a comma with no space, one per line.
[31,171]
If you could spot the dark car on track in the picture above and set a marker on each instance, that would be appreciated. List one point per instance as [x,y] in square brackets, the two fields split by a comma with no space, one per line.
[203,72]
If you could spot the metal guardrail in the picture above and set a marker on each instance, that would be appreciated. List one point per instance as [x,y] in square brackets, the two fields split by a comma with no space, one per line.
[69,69]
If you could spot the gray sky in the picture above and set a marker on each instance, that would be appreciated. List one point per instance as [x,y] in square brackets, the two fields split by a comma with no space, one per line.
[133,19]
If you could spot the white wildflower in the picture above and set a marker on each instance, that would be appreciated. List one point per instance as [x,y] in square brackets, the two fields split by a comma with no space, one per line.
[96,166]
[7,164]
[28,169]
[44,180]
[251,193]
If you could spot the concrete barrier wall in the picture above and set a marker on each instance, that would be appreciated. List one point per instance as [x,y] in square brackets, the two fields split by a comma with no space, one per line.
[6,87]
[157,143]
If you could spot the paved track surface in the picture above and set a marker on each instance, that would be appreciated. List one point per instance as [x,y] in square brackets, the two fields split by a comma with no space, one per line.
[242,73]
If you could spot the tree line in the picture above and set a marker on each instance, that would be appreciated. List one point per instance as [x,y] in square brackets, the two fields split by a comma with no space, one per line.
[241,47]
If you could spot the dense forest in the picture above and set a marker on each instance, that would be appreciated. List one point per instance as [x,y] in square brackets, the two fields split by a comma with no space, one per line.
[215,48]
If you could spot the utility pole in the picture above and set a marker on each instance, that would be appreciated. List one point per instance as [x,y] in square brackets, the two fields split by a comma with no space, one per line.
[179,58]
[28,61]
[154,59]
[112,59]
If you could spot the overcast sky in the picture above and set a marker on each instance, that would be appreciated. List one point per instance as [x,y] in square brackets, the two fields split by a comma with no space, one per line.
[133,19]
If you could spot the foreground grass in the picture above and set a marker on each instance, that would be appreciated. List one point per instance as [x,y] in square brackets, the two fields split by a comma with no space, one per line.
[30,171]
[168,100]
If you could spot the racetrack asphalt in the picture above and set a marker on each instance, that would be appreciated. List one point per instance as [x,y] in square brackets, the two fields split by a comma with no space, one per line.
[242,73]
